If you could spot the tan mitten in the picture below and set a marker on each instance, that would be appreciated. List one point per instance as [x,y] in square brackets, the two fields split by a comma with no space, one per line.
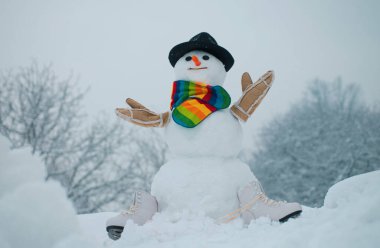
[140,115]
[252,96]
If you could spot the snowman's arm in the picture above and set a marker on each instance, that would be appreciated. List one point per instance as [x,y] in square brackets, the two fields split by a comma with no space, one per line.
[253,94]
[142,116]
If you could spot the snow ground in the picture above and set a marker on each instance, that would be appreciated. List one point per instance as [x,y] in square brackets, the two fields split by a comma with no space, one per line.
[36,214]
[350,217]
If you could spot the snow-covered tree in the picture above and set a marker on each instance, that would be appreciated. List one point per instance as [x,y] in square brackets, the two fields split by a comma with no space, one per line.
[99,164]
[327,136]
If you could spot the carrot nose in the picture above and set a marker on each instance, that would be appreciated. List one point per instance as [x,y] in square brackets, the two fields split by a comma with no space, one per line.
[196,60]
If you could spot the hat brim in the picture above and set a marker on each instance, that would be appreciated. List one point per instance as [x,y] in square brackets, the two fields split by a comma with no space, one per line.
[221,53]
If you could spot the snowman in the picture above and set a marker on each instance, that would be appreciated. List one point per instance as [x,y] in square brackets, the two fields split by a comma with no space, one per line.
[204,175]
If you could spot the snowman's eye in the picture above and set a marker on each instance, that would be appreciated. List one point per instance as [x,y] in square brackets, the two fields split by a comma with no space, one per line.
[188,58]
[205,57]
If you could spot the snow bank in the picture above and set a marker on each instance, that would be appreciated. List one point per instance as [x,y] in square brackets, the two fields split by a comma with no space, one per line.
[350,218]
[33,213]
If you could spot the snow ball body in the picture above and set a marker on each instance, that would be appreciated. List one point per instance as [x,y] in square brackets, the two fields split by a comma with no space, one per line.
[204,175]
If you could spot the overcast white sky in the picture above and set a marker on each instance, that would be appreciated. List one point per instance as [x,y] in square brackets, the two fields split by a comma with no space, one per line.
[119,48]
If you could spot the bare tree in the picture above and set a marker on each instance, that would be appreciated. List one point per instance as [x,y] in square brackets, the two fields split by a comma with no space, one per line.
[326,137]
[100,165]
[111,162]
[37,109]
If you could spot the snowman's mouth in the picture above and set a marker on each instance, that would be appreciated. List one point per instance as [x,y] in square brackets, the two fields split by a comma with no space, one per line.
[198,68]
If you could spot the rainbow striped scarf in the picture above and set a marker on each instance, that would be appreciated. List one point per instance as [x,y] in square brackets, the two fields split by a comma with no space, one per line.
[194,101]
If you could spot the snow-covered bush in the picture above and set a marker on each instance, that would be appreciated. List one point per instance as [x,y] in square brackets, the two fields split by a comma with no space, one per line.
[326,137]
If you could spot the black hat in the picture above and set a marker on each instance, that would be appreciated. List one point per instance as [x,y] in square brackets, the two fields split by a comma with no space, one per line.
[204,42]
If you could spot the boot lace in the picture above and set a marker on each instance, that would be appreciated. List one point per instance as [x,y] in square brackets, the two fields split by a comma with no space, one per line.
[268,201]
[130,211]
[263,197]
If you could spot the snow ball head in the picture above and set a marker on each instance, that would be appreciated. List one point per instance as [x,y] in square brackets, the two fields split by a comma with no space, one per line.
[200,66]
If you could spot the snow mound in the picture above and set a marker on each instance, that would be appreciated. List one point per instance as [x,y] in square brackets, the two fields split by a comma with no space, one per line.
[33,212]
[14,170]
[350,218]
[36,213]
[354,189]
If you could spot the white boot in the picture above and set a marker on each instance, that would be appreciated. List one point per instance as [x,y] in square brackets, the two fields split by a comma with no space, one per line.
[143,208]
[255,204]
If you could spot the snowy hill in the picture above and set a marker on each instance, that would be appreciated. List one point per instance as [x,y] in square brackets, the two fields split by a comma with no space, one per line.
[350,217]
